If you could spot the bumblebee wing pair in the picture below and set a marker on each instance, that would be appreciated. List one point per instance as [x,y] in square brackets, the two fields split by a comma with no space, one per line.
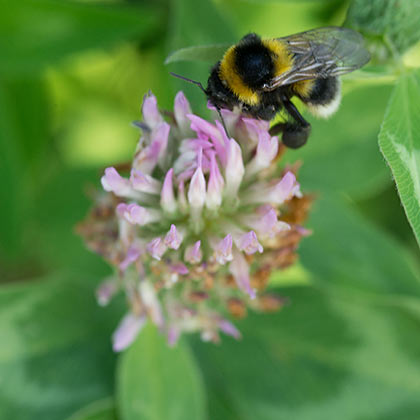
[319,56]
[261,76]
[321,53]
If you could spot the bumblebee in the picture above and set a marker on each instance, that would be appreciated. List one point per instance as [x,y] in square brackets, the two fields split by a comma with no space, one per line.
[261,76]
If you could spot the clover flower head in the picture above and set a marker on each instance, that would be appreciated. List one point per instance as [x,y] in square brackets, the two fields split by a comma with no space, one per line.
[196,223]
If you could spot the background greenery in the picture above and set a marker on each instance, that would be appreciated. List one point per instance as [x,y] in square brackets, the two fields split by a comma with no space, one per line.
[72,77]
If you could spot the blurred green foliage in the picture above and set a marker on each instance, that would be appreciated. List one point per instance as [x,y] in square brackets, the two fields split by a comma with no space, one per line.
[72,77]
[176,390]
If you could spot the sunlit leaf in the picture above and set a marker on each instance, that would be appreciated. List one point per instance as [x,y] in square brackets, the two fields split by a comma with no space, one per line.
[207,53]
[399,140]
[158,382]
[98,410]
[412,56]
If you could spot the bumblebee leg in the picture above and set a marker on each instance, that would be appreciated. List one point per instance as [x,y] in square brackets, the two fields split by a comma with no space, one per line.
[296,133]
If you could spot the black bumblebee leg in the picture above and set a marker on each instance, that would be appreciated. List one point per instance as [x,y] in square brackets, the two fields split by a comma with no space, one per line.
[296,133]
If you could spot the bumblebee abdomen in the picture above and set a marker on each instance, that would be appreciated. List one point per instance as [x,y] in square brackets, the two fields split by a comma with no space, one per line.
[322,96]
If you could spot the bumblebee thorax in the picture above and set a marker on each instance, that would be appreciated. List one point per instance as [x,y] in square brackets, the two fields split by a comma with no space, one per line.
[254,63]
[247,66]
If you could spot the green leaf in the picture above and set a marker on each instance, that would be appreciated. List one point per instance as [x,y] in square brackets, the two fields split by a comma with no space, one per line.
[199,25]
[322,357]
[56,351]
[346,349]
[63,202]
[156,382]
[347,253]
[342,153]
[396,21]
[287,1]
[207,53]
[192,25]
[36,33]
[98,410]
[399,140]
[24,139]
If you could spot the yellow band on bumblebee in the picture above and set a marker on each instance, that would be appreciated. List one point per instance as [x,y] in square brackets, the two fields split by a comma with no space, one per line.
[282,59]
[229,74]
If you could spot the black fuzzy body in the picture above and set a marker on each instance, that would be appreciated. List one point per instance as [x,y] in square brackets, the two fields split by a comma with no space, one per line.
[222,97]
[254,64]
[323,92]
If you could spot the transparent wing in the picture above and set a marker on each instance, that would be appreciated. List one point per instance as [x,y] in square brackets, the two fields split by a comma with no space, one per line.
[321,53]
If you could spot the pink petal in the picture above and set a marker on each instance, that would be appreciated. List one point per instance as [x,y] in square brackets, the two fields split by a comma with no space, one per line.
[266,151]
[240,271]
[215,185]
[286,188]
[151,114]
[229,117]
[229,329]
[167,200]
[144,182]
[133,253]
[234,170]
[155,152]
[248,243]
[181,110]
[206,130]
[173,238]
[127,331]
[156,248]
[193,253]
[113,181]
[179,268]
[223,250]
[197,190]
[173,335]
[137,215]
[106,291]
[162,136]
[282,191]
[265,222]
[182,200]
[151,301]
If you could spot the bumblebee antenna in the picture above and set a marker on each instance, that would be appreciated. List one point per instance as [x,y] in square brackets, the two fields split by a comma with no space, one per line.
[195,82]
[223,120]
